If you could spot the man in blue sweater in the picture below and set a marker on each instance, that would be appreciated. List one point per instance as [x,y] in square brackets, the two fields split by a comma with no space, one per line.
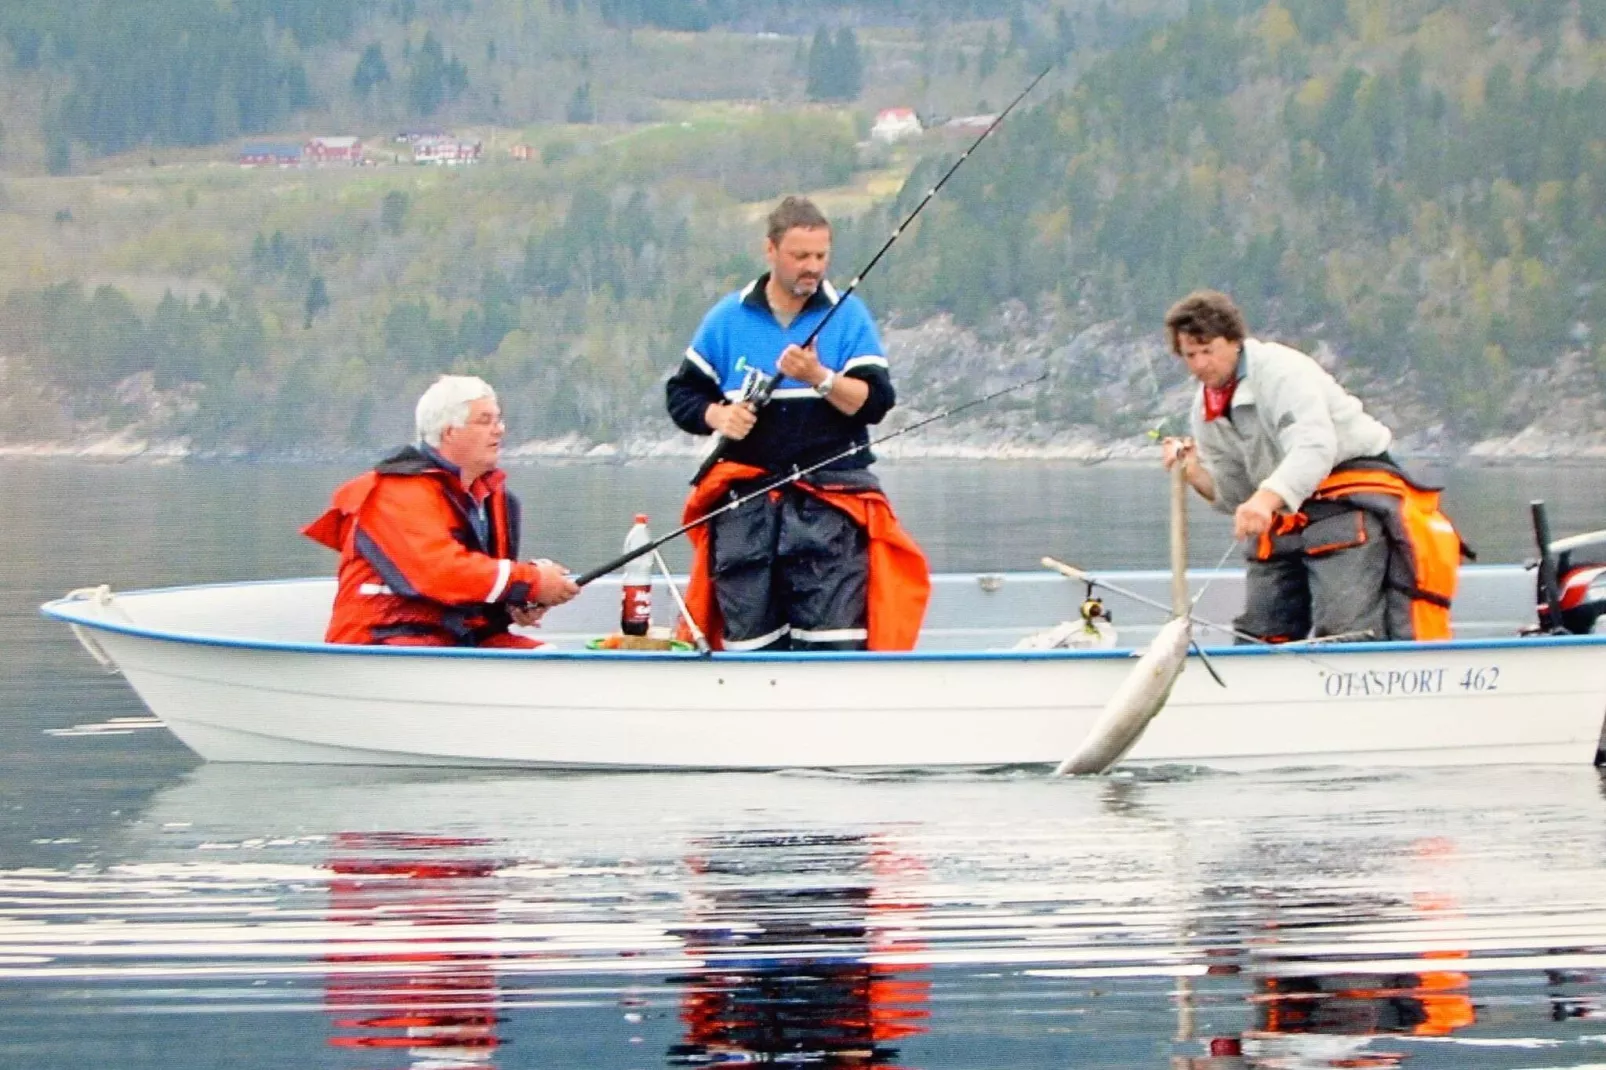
[791,570]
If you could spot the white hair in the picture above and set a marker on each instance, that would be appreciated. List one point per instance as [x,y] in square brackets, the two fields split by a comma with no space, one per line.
[446,404]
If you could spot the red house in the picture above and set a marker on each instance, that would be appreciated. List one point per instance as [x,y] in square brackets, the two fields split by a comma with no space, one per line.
[334,150]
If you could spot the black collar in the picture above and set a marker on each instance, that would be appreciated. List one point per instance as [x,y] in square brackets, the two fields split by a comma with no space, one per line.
[422,459]
[756,295]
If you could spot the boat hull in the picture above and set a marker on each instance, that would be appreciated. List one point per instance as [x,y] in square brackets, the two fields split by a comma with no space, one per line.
[235,699]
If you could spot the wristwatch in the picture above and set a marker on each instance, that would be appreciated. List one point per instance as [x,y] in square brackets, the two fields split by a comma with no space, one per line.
[823,387]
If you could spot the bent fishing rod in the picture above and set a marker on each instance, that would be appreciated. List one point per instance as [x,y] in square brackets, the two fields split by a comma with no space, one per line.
[792,477]
[761,396]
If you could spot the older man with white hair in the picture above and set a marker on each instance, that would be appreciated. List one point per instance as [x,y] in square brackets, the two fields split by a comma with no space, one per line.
[429,540]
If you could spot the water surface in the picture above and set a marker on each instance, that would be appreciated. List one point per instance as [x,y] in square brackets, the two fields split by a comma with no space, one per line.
[157,912]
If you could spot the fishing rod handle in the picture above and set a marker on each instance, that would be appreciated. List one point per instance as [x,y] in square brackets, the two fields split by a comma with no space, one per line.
[715,455]
[1068,570]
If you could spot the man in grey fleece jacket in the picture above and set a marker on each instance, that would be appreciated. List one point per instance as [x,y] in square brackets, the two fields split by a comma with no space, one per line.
[1269,425]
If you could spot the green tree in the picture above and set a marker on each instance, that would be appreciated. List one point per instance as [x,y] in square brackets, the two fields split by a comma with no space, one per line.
[822,55]
[392,212]
[435,79]
[1020,31]
[371,71]
[297,89]
[987,63]
[317,299]
[836,70]
[416,340]
[581,109]
[1064,33]
[849,64]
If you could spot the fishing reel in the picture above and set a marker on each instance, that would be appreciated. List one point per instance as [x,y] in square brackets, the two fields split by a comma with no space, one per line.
[1093,609]
[757,386]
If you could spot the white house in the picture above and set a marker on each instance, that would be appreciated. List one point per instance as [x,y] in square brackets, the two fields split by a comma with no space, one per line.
[895,124]
[446,151]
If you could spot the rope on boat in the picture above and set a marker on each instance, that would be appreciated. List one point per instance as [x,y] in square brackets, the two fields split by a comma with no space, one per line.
[103,598]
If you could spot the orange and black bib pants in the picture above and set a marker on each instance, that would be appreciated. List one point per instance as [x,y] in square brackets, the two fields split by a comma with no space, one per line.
[1369,556]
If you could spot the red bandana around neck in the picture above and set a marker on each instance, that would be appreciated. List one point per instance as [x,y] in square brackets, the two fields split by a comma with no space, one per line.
[1218,399]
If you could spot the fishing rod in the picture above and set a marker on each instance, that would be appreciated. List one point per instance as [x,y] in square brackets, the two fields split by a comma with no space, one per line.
[759,396]
[792,477]
[932,192]
[1296,648]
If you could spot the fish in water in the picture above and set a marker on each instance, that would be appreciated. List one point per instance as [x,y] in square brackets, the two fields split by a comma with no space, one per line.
[1141,695]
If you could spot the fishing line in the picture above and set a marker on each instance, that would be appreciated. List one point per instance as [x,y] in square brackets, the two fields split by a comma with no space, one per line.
[1216,572]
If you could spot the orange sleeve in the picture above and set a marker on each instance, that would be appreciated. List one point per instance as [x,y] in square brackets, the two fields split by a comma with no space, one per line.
[404,530]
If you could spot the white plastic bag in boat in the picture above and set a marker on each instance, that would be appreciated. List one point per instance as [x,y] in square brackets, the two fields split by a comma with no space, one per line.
[1072,635]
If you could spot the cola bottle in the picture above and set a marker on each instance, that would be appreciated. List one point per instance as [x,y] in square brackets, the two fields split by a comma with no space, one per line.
[635,609]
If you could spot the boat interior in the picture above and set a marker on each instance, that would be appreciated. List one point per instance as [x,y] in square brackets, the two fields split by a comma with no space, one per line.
[968,611]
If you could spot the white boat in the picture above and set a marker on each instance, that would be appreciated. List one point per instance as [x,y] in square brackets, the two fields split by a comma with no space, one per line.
[239,673]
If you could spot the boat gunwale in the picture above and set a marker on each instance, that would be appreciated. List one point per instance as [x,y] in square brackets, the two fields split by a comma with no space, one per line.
[62,609]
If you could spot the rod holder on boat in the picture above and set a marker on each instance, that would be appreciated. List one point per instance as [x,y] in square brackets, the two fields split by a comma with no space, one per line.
[698,638]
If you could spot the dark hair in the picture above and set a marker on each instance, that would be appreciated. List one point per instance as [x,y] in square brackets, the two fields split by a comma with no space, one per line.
[1205,315]
[795,212]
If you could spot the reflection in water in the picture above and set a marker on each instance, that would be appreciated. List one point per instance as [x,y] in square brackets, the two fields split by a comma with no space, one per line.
[787,969]
[1328,1019]
[1577,994]
[415,994]
[159,916]
[1264,922]
[1313,1012]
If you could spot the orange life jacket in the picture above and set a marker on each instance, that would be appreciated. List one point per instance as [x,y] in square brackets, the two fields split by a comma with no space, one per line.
[900,578]
[412,568]
[1417,528]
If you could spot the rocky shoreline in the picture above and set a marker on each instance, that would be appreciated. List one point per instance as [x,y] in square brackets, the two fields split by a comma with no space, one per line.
[1099,385]
[1530,446]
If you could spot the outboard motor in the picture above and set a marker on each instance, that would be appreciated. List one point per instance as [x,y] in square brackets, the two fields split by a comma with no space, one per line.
[1572,579]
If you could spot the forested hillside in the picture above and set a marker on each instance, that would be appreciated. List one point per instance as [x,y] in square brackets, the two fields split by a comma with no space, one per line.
[1411,186]
[1417,183]
[96,77]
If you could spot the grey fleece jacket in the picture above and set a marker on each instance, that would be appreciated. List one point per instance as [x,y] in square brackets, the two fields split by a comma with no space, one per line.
[1289,425]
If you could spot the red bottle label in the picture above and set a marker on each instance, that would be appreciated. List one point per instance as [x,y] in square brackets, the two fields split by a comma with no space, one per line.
[635,614]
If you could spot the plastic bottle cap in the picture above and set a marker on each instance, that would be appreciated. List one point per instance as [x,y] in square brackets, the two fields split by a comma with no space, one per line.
[641,518]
